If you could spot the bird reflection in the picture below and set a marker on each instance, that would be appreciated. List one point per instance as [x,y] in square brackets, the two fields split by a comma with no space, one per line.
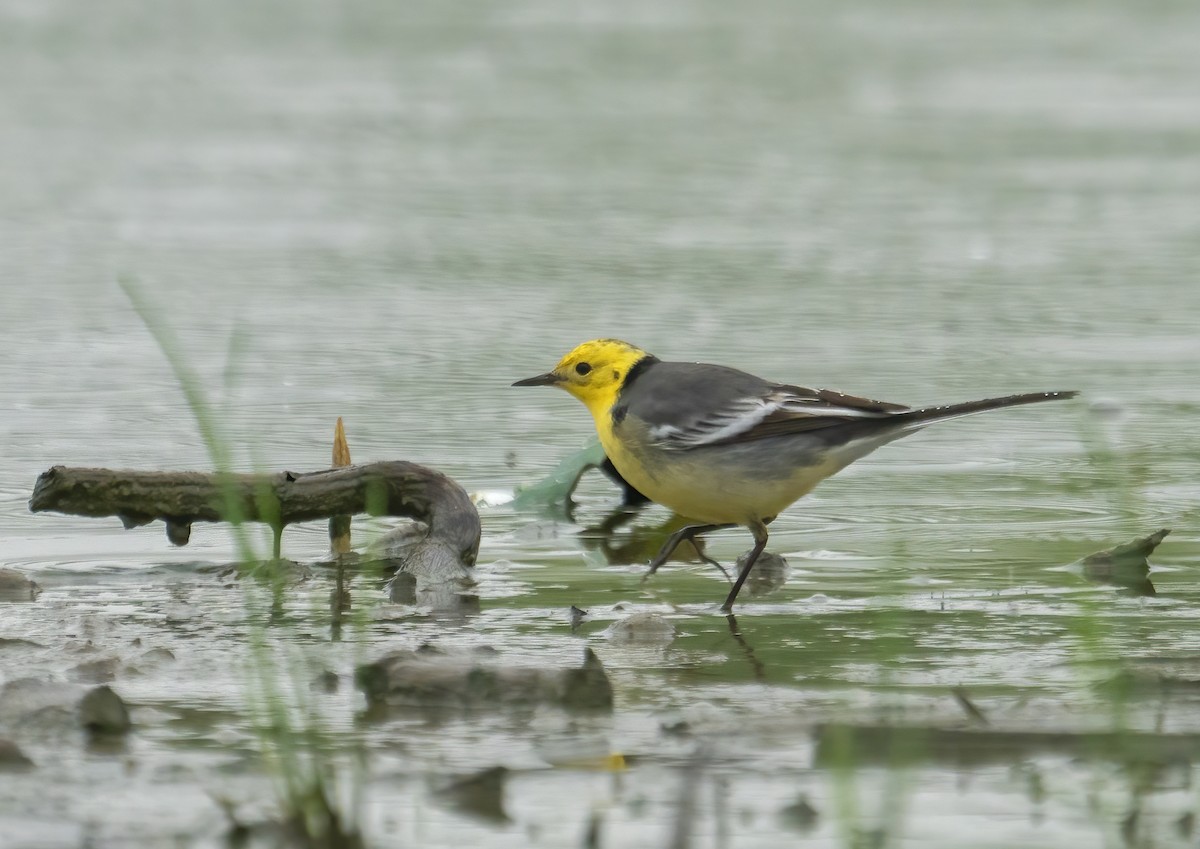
[640,543]
[756,665]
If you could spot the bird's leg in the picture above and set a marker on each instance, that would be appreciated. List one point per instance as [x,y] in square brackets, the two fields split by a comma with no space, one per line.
[760,542]
[684,534]
[711,562]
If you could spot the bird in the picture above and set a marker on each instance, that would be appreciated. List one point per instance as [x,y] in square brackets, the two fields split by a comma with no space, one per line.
[724,447]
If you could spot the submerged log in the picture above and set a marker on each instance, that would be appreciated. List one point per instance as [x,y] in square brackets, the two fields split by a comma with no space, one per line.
[429,677]
[840,744]
[391,488]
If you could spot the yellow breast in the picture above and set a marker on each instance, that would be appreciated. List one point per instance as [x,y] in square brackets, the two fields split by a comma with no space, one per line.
[708,486]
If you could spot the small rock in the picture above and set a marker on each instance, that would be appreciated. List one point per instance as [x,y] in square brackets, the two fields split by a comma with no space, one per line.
[770,572]
[800,815]
[101,711]
[644,628]
[11,757]
[326,682]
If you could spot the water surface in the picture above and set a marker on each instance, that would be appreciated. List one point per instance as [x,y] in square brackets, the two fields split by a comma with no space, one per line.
[388,214]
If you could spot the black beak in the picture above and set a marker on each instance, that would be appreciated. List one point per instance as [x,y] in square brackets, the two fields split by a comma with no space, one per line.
[547,379]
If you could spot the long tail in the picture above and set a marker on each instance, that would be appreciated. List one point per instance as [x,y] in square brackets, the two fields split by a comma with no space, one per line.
[848,442]
[926,415]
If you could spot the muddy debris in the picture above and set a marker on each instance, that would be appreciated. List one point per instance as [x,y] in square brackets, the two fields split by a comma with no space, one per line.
[1125,566]
[98,671]
[149,659]
[19,643]
[453,597]
[1186,824]
[480,794]
[963,747]
[156,655]
[440,583]
[800,815]
[12,759]
[15,587]
[964,700]
[326,681]
[433,678]
[54,707]
[1154,676]
[33,704]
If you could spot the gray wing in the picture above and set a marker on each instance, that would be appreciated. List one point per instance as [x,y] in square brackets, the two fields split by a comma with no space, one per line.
[690,405]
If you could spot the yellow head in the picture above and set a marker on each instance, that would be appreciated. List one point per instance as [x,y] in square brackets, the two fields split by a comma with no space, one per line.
[593,372]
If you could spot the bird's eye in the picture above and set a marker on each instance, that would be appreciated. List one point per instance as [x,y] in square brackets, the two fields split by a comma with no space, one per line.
[583,368]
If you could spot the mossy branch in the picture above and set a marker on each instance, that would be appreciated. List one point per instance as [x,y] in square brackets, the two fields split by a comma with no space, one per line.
[391,488]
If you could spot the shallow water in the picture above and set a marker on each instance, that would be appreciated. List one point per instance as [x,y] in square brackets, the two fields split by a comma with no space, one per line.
[389,214]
